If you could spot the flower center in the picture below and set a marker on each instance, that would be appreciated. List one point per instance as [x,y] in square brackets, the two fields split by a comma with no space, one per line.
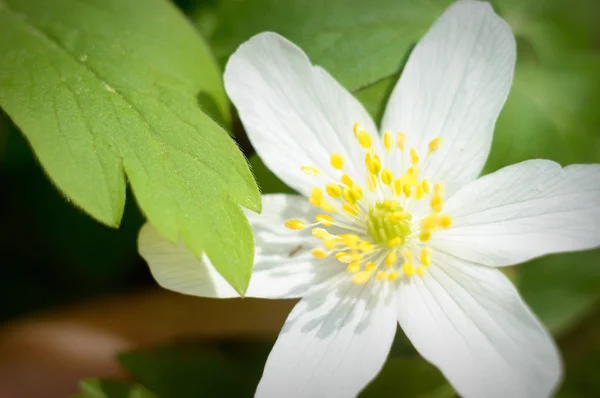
[373,230]
[388,224]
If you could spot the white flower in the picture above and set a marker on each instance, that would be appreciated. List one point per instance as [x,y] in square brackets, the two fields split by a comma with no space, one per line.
[397,228]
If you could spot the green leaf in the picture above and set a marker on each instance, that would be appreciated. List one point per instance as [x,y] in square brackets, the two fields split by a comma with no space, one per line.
[98,388]
[103,87]
[408,377]
[195,371]
[267,181]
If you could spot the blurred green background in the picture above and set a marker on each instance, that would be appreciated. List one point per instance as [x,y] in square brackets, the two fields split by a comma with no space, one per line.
[52,254]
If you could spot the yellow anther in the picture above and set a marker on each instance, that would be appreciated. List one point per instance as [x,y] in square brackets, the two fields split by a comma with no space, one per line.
[333,190]
[408,269]
[370,266]
[317,193]
[401,141]
[391,258]
[397,187]
[365,247]
[381,275]
[350,240]
[329,242]
[386,176]
[426,186]
[430,222]
[434,144]
[373,163]
[326,206]
[388,140]
[356,128]
[337,161]
[438,188]
[314,201]
[413,171]
[445,221]
[414,155]
[436,203]
[407,255]
[319,253]
[406,190]
[425,235]
[353,267]
[419,193]
[361,278]
[425,256]
[320,233]
[325,219]
[295,224]
[346,180]
[364,139]
[310,170]
[348,197]
[397,241]
[349,209]
[357,192]
[343,257]
[393,276]
[420,270]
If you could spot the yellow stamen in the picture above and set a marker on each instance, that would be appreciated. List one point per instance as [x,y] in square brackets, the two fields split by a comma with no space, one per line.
[320,233]
[326,206]
[319,253]
[435,144]
[419,193]
[356,128]
[366,247]
[325,219]
[391,258]
[426,186]
[424,236]
[397,187]
[310,170]
[408,269]
[382,275]
[414,155]
[393,276]
[401,140]
[337,161]
[343,257]
[333,190]
[388,141]
[357,192]
[370,266]
[386,176]
[346,180]
[364,139]
[436,203]
[350,209]
[438,188]
[408,255]
[425,256]
[361,278]
[353,267]
[295,224]
[406,190]
[420,270]
[348,197]
[329,242]
[445,221]
[317,193]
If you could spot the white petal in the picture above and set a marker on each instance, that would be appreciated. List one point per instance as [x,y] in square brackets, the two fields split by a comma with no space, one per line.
[283,265]
[524,211]
[333,343]
[470,322]
[454,86]
[295,113]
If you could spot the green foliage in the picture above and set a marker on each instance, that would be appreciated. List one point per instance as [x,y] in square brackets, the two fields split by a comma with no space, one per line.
[100,88]
[96,388]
